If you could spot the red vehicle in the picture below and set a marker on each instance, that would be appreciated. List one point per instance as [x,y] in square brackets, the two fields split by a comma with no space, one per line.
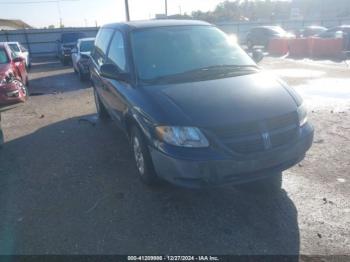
[13,77]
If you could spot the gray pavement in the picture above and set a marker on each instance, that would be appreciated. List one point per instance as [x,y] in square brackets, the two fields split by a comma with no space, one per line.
[68,184]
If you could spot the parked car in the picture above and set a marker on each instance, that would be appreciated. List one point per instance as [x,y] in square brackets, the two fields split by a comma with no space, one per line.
[260,36]
[311,31]
[13,77]
[197,109]
[21,51]
[81,57]
[65,45]
[339,31]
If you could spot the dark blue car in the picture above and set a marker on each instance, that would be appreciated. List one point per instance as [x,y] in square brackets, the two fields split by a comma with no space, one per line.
[197,109]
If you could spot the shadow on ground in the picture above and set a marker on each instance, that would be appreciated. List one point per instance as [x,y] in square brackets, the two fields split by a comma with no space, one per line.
[43,81]
[72,188]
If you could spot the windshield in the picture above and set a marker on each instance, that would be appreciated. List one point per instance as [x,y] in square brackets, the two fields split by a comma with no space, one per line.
[86,46]
[167,51]
[14,47]
[71,37]
[3,57]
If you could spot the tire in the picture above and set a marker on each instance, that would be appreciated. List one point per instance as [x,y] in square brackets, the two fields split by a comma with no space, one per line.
[101,109]
[269,185]
[82,77]
[142,158]
[26,92]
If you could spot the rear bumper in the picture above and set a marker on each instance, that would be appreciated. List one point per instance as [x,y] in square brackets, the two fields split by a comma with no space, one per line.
[206,173]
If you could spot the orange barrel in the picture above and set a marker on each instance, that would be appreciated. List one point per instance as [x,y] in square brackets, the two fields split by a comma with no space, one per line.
[299,47]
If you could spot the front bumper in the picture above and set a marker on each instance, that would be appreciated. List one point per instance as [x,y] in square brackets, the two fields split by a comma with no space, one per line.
[204,173]
[11,94]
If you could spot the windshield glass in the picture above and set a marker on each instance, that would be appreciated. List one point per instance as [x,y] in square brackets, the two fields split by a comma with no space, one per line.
[86,46]
[71,37]
[167,51]
[14,48]
[3,57]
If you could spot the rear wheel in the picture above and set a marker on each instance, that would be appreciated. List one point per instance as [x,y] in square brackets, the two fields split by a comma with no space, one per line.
[142,157]
[270,185]
[101,109]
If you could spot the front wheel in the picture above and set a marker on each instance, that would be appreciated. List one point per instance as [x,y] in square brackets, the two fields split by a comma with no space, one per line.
[269,185]
[142,157]
[82,77]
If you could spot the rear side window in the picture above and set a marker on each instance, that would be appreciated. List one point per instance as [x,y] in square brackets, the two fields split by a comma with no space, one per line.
[3,57]
[116,53]
[102,40]
[14,47]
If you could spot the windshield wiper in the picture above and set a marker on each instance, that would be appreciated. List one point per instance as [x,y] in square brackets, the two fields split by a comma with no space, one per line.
[201,72]
[226,67]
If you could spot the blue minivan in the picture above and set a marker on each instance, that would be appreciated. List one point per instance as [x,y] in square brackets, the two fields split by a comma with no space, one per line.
[197,109]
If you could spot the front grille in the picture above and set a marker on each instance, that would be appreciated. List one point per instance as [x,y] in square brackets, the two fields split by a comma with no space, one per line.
[247,138]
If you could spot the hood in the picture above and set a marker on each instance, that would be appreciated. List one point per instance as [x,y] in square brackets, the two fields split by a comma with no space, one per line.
[222,101]
[69,45]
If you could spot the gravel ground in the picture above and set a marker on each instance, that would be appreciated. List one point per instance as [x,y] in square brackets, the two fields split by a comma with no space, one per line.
[68,184]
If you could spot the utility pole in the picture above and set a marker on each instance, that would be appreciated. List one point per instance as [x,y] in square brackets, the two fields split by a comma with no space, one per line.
[127,10]
[166,8]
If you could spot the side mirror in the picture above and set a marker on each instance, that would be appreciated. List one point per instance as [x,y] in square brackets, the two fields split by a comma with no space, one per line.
[113,72]
[257,55]
[18,59]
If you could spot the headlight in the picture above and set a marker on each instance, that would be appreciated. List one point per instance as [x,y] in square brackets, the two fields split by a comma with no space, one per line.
[182,136]
[302,114]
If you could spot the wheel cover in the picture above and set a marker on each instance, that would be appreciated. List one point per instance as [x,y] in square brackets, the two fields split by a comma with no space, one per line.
[140,162]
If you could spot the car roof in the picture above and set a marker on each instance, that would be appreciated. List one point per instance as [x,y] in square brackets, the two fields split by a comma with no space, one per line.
[4,44]
[155,23]
[267,27]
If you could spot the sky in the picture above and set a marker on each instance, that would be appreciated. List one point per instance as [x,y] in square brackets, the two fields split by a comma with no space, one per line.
[89,12]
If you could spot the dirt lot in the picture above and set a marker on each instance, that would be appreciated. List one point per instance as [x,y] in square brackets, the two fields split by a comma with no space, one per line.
[68,184]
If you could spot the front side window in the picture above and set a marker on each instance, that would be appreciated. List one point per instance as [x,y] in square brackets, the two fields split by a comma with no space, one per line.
[3,57]
[167,51]
[101,44]
[116,53]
